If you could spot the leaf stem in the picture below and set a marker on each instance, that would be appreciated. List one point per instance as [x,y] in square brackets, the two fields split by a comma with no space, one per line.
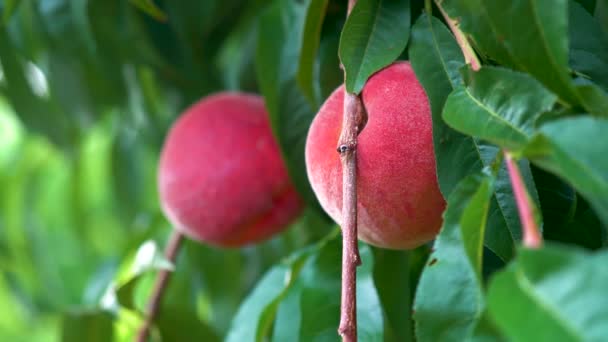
[467,50]
[159,286]
[525,207]
[353,116]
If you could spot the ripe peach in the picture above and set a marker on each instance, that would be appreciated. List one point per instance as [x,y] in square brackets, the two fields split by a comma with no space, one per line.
[221,176]
[399,203]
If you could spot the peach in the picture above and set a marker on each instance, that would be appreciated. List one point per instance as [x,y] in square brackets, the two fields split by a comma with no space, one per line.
[221,178]
[398,200]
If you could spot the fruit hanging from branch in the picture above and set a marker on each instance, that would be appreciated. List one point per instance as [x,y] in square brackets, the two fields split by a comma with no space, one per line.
[399,204]
[222,180]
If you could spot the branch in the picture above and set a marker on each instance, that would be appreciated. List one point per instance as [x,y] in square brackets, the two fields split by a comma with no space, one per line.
[159,286]
[353,117]
[525,207]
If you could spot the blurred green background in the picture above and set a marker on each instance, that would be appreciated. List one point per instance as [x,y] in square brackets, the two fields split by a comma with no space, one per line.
[88,90]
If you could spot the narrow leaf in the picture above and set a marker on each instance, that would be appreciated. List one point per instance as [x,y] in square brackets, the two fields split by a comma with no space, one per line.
[276,66]
[315,14]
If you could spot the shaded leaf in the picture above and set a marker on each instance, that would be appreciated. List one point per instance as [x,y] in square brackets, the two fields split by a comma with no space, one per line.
[315,14]
[276,66]
[454,268]
[392,281]
[588,52]
[574,149]
[374,35]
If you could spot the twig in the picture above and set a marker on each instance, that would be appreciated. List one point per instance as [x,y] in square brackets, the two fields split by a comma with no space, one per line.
[159,286]
[532,237]
[347,147]
[525,207]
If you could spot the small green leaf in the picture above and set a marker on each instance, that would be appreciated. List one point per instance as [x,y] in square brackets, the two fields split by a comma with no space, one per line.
[575,148]
[374,35]
[498,105]
[315,14]
[556,293]
[449,299]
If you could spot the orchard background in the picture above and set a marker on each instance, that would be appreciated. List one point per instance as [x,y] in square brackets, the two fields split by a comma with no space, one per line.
[88,90]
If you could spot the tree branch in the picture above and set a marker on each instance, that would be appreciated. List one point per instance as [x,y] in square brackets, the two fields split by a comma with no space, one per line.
[532,237]
[159,286]
[353,114]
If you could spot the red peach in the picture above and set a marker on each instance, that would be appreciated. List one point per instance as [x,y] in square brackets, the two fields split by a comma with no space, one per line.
[399,204]
[221,178]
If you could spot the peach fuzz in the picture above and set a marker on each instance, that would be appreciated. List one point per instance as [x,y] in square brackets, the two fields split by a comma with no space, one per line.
[221,178]
[399,204]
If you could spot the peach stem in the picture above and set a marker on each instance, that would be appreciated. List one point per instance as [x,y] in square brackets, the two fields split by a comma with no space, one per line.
[532,236]
[159,286]
[347,147]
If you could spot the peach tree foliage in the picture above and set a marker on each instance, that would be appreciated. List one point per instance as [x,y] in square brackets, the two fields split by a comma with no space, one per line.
[80,224]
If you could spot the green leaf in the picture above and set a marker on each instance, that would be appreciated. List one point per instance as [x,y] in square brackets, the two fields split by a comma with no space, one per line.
[8,9]
[150,8]
[177,324]
[392,281]
[311,308]
[556,293]
[95,326]
[374,35]
[315,14]
[594,99]
[588,54]
[256,314]
[574,149]
[276,66]
[529,36]
[436,59]
[449,299]
[537,44]
[498,105]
